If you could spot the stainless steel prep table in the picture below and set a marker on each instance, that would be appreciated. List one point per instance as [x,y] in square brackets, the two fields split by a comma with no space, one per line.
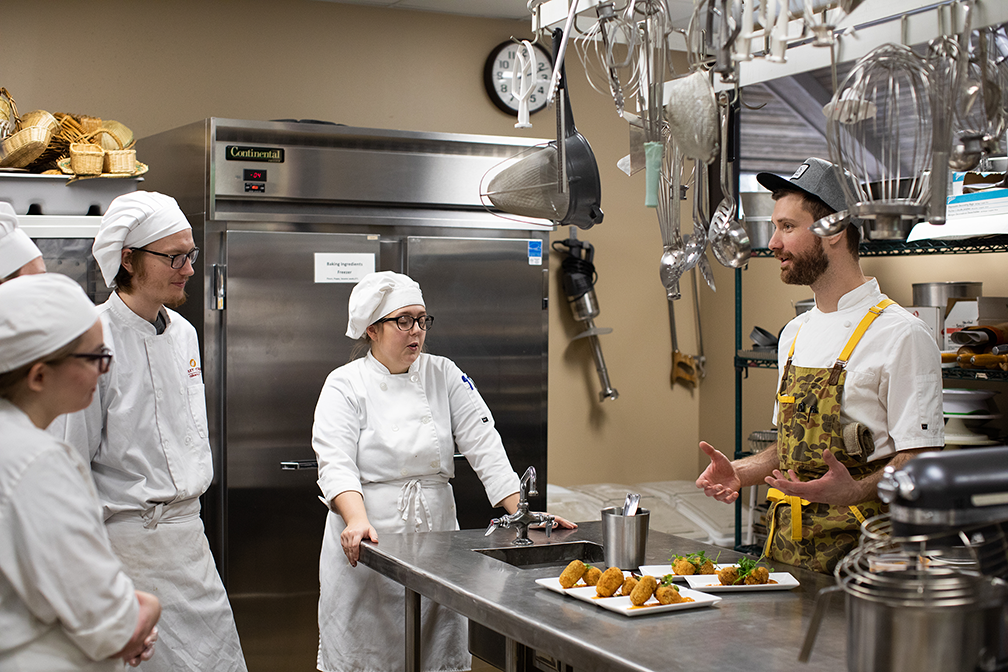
[752,631]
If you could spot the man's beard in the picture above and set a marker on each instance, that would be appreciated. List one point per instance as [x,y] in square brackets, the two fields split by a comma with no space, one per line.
[175,303]
[806,268]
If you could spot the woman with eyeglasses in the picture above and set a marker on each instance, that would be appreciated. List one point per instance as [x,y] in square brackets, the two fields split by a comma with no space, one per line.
[386,429]
[65,602]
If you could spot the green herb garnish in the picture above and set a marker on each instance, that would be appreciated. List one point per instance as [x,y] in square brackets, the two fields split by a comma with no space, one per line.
[746,567]
[697,559]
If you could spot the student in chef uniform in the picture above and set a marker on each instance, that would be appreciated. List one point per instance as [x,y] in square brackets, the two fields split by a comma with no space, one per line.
[386,428]
[859,386]
[145,434]
[65,602]
[18,254]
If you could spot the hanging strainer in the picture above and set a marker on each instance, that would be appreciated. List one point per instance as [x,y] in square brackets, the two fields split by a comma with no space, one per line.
[527,185]
[541,184]
[880,131]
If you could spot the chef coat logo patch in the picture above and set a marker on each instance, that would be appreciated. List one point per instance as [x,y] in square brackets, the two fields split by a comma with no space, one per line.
[194,369]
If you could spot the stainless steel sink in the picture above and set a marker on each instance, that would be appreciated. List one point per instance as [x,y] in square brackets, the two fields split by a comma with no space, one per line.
[545,555]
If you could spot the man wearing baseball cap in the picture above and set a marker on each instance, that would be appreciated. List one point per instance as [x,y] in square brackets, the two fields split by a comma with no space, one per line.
[145,434]
[859,386]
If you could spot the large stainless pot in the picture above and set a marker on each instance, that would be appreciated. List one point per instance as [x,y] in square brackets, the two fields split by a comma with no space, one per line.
[908,617]
[938,293]
[921,622]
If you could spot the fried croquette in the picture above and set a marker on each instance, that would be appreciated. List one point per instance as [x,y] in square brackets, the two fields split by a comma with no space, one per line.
[643,591]
[670,595]
[628,585]
[572,574]
[683,567]
[592,575]
[706,568]
[758,576]
[728,576]
[610,581]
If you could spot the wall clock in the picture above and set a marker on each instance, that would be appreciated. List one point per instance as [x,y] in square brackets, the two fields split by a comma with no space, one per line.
[497,77]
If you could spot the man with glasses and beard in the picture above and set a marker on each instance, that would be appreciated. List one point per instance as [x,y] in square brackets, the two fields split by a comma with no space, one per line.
[859,386]
[145,433]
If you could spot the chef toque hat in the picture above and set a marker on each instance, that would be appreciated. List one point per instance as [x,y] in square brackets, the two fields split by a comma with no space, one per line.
[16,248]
[377,295]
[39,314]
[134,220]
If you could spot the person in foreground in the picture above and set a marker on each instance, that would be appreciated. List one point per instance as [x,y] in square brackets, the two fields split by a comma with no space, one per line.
[145,433]
[18,254]
[859,387]
[386,429]
[65,602]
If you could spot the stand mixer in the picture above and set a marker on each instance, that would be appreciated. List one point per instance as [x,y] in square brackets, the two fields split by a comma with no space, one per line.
[925,589]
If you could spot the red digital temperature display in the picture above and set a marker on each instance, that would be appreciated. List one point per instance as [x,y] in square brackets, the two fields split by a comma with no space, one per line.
[254,174]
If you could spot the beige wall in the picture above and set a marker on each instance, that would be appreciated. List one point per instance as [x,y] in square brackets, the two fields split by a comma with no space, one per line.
[158,65]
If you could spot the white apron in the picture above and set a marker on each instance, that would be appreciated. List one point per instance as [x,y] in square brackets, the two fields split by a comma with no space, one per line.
[165,552]
[364,612]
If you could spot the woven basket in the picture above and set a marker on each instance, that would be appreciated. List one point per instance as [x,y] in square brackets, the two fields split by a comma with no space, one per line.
[119,160]
[86,158]
[119,135]
[42,119]
[32,134]
[24,146]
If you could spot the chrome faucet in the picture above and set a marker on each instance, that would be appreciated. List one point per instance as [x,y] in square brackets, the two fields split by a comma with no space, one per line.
[522,518]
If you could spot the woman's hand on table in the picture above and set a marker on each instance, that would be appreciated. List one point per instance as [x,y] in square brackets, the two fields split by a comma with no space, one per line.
[349,504]
[351,537]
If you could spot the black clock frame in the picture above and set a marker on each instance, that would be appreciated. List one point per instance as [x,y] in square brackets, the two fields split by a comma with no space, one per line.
[490,84]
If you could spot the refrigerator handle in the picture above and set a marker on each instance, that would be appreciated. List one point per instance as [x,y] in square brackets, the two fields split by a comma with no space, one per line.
[219,286]
[296,465]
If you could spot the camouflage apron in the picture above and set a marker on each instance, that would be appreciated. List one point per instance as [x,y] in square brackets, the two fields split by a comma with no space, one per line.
[816,535]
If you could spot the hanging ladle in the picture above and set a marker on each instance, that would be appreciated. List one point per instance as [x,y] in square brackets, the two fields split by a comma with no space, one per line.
[728,238]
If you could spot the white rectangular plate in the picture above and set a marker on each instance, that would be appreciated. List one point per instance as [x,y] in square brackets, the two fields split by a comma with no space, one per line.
[622,604]
[553,583]
[658,571]
[709,583]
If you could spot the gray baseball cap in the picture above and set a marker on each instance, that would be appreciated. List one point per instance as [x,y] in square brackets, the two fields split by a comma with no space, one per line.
[815,177]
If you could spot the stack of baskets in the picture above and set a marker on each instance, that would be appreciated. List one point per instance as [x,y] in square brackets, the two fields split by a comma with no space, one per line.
[88,156]
[71,144]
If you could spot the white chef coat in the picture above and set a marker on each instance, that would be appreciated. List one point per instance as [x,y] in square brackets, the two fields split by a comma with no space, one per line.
[893,384]
[145,436]
[65,603]
[392,437]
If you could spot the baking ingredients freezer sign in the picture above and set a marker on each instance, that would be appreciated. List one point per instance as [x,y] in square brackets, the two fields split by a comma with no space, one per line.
[342,267]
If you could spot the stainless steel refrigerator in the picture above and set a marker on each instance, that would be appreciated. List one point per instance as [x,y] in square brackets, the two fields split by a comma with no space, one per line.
[270,204]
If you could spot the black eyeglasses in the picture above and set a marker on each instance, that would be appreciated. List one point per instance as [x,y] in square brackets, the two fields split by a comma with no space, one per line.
[177,260]
[406,322]
[103,358]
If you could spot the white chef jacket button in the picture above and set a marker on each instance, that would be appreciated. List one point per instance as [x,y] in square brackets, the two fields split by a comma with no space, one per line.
[846,324]
[404,472]
[383,386]
[158,394]
[188,439]
[395,428]
[414,378]
[434,464]
[426,419]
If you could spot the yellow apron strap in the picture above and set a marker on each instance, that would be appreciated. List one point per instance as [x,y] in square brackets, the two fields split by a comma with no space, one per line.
[866,321]
[857,514]
[787,366]
[855,338]
[795,502]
